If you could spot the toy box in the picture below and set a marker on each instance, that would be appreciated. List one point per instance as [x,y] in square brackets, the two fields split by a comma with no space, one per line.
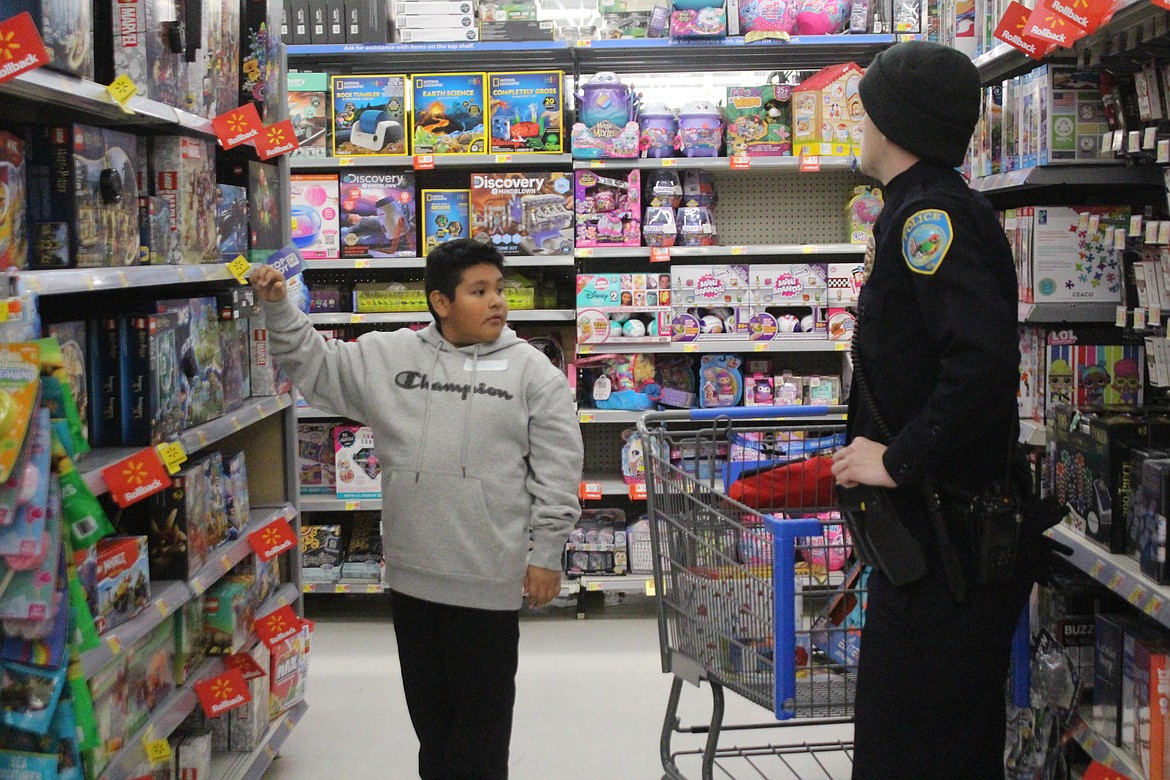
[358,471]
[156,242]
[527,213]
[448,114]
[236,497]
[315,220]
[227,617]
[1075,116]
[1081,372]
[150,671]
[1109,631]
[267,377]
[1150,723]
[66,29]
[149,382]
[825,111]
[320,553]
[183,172]
[122,587]
[759,121]
[1072,254]
[608,209]
[143,49]
[109,688]
[369,115]
[190,649]
[13,227]
[623,308]
[194,757]
[213,60]
[1149,508]
[606,124]
[261,58]
[788,301]
[844,283]
[179,526]
[710,302]
[308,108]
[597,544]
[526,112]
[74,340]
[233,345]
[231,221]
[378,216]
[699,23]
[363,554]
[446,215]
[1033,373]
[248,724]
[82,197]
[287,673]
[199,362]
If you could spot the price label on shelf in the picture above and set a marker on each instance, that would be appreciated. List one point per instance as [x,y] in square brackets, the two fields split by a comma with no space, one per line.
[362,263]
[1164,150]
[760,346]
[669,162]
[690,348]
[1115,581]
[424,162]
[352,506]
[586,417]
[650,590]
[114,643]
[1137,595]
[342,588]
[597,163]
[594,586]
[739,250]
[810,163]
[344,162]
[157,750]
[638,490]
[503,158]
[173,455]
[356,318]
[121,90]
[584,252]
[163,608]
[740,162]
[590,491]
[1153,606]
[659,254]
[1096,569]
[239,269]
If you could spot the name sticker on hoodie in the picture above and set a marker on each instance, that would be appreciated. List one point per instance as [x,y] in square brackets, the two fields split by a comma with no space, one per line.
[485,365]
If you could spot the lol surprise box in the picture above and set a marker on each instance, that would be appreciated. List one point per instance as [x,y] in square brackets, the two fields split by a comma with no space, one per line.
[826,110]
[608,209]
[710,302]
[788,301]
[528,213]
[526,112]
[628,308]
[449,111]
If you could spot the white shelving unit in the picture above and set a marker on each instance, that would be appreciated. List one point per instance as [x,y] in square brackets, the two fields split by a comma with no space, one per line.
[468,161]
[391,263]
[757,250]
[409,317]
[737,347]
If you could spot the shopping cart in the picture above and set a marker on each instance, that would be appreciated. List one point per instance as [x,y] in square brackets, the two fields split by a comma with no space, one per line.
[764,600]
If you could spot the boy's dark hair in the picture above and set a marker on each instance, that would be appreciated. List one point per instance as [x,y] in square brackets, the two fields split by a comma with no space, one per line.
[447,262]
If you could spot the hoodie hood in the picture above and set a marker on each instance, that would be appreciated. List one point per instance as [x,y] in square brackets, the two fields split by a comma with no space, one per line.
[432,336]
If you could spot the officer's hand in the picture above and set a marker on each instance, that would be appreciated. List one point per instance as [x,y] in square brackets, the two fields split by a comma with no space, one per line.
[269,283]
[541,585]
[861,464]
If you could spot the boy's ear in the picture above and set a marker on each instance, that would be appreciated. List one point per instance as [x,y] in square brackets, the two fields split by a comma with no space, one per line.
[440,303]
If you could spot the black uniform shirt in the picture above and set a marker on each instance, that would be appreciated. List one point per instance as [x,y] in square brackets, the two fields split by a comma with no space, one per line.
[937,334]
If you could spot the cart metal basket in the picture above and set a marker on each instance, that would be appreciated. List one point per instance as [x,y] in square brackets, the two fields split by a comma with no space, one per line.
[764,600]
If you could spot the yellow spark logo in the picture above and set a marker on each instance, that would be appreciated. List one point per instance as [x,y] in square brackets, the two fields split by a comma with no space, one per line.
[8,45]
[271,536]
[135,472]
[1053,21]
[237,122]
[222,689]
[1081,4]
[275,136]
[276,624]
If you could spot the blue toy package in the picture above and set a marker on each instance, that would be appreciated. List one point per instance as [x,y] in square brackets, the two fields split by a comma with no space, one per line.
[378,215]
[64,729]
[720,381]
[290,263]
[28,696]
[23,543]
[33,766]
[369,115]
[41,642]
[526,112]
[446,216]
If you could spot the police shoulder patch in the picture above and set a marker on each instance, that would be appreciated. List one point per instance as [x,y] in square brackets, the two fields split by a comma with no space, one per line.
[926,237]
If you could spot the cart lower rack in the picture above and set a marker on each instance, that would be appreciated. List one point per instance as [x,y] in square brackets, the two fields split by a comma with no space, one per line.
[759,592]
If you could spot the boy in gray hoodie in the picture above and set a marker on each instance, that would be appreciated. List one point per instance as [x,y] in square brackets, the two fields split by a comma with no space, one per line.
[479,444]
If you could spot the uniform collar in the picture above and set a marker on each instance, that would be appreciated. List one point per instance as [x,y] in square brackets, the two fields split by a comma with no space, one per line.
[905,182]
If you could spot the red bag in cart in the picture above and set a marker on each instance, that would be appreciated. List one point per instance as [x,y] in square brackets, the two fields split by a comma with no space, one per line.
[808,483]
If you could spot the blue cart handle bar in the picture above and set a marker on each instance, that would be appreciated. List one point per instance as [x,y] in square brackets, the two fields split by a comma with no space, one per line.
[745,413]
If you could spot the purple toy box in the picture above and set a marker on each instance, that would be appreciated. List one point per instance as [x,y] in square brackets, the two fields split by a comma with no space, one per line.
[608,210]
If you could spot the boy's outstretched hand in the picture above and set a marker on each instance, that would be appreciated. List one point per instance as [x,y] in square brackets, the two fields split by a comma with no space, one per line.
[269,283]
[541,585]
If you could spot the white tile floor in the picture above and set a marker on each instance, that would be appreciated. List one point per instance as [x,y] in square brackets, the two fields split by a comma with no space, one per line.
[590,702]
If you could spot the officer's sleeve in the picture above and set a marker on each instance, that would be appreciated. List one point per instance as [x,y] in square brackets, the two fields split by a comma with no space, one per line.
[961,282]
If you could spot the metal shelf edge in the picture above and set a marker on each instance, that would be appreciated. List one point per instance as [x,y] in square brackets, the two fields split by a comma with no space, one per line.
[252,766]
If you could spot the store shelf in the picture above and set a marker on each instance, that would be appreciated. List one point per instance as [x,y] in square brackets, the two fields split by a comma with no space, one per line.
[252,766]
[734,347]
[440,161]
[718,164]
[608,416]
[1104,751]
[1106,173]
[328,503]
[78,280]
[344,587]
[408,317]
[626,583]
[756,250]
[163,721]
[1033,434]
[421,57]
[313,413]
[679,55]
[86,101]
[197,438]
[1040,313]
[383,263]
[169,595]
[1118,573]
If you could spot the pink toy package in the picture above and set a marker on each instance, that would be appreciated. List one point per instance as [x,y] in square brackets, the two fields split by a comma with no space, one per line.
[608,210]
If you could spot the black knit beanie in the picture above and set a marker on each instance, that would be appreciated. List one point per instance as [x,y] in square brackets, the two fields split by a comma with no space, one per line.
[924,97]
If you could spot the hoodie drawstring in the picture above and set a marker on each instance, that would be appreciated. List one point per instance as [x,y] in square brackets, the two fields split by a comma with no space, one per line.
[467,412]
[422,440]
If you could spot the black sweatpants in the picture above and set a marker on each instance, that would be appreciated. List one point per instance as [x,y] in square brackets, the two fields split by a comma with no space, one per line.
[930,687]
[459,672]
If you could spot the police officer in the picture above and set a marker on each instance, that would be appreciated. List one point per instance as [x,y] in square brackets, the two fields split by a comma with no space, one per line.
[936,346]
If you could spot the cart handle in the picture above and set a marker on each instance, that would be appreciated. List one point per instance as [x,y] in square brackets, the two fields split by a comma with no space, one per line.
[746,413]
[784,533]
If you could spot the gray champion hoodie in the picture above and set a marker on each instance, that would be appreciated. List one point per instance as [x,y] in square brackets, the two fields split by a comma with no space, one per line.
[478,445]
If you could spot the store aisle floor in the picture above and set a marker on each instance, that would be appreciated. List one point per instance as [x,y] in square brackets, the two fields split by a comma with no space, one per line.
[590,700]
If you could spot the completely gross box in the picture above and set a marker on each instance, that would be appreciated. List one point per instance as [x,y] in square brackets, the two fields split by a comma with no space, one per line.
[526,112]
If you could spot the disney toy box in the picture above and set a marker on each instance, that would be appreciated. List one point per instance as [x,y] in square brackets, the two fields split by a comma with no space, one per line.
[528,213]
[449,111]
[446,215]
[359,474]
[759,121]
[80,178]
[315,220]
[526,112]
[623,308]
[369,115]
[378,215]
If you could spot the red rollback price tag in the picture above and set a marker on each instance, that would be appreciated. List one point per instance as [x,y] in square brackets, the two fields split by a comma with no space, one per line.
[590,491]
[273,539]
[659,254]
[246,664]
[740,162]
[1087,14]
[277,626]
[223,693]
[424,162]
[21,47]
[276,140]
[1011,31]
[810,163]
[638,490]
[1098,771]
[238,126]
[1045,24]
[136,477]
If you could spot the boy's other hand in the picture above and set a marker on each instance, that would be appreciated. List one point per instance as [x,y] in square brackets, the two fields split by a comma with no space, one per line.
[541,585]
[269,283]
